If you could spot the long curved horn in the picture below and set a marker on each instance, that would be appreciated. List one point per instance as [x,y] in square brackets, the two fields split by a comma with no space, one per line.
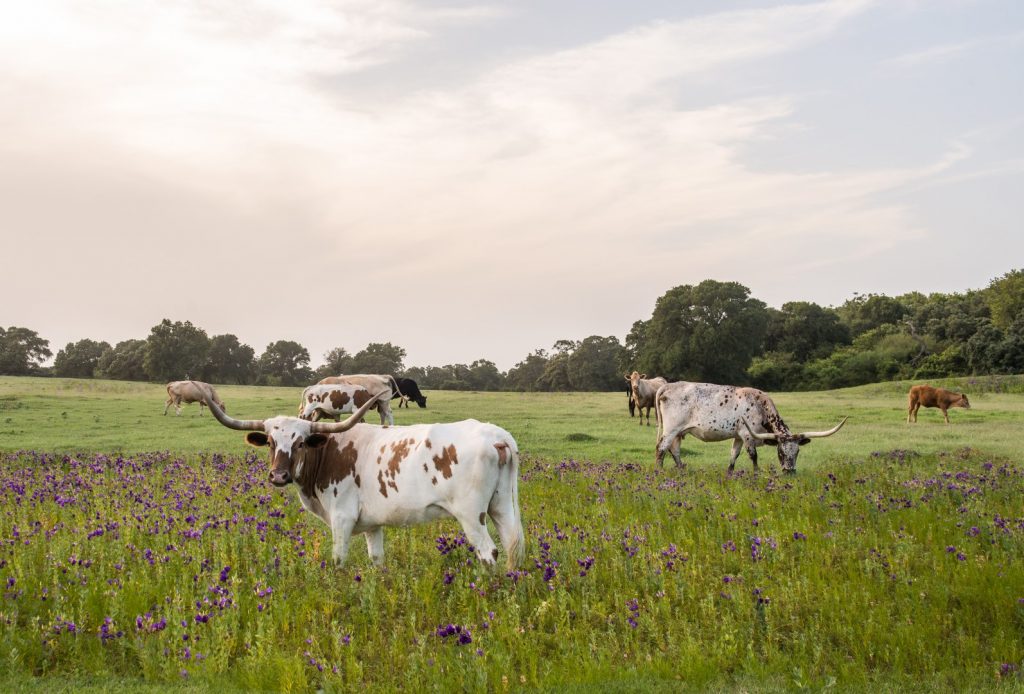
[819,434]
[338,427]
[756,435]
[231,422]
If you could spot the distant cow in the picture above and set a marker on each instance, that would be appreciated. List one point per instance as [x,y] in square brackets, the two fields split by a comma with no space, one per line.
[179,392]
[377,385]
[643,390]
[408,390]
[331,400]
[361,479]
[934,397]
[711,412]
[629,399]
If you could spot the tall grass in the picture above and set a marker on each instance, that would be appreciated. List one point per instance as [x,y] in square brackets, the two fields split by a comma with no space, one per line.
[892,560]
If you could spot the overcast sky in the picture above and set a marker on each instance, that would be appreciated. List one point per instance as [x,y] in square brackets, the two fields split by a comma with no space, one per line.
[477,180]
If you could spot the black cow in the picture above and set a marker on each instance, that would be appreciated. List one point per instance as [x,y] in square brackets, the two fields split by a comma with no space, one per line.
[632,402]
[408,390]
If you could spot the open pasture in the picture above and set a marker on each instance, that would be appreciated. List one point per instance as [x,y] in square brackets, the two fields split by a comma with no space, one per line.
[142,546]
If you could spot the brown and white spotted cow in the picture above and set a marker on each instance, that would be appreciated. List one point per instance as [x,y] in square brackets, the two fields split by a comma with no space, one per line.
[359,479]
[711,412]
[934,397]
[331,401]
[179,392]
[375,384]
[643,390]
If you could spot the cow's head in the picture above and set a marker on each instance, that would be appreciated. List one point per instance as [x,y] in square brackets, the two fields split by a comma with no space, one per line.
[787,444]
[288,438]
[422,401]
[962,402]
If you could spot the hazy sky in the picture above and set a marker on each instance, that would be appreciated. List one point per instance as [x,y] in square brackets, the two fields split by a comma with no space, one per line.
[477,180]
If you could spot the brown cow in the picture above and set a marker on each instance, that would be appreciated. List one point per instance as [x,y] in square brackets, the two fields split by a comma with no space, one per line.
[643,390]
[934,397]
[179,392]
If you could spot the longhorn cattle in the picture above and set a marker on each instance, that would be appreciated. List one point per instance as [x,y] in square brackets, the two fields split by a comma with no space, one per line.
[331,401]
[643,390]
[377,385]
[711,412]
[412,474]
[408,390]
[179,392]
[934,397]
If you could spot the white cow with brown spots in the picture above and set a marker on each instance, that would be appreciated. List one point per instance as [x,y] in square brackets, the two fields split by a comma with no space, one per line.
[359,479]
[375,384]
[331,401]
[644,390]
[179,392]
[711,412]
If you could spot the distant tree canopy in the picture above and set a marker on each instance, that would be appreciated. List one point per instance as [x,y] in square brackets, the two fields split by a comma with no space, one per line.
[709,332]
[284,363]
[22,351]
[175,351]
[79,359]
[713,331]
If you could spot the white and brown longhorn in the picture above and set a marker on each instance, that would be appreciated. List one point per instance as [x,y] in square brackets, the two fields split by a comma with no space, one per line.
[359,479]
[375,384]
[710,412]
[331,401]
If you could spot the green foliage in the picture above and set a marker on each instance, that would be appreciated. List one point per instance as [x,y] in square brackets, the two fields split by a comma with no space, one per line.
[709,332]
[805,330]
[379,358]
[336,362]
[22,351]
[284,363]
[777,371]
[1005,298]
[866,312]
[229,361]
[526,375]
[175,351]
[79,359]
[126,361]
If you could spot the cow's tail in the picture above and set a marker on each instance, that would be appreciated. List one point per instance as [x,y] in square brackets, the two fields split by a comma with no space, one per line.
[504,509]
[394,387]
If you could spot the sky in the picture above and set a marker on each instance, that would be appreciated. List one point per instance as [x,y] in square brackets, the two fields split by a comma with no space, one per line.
[476,180]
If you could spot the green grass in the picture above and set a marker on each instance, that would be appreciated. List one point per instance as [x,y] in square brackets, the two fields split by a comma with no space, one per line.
[851,554]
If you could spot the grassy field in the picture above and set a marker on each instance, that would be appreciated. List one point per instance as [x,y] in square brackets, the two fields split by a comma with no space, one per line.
[139,550]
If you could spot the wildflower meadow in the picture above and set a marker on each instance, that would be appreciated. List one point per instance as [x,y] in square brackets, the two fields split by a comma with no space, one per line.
[893,558]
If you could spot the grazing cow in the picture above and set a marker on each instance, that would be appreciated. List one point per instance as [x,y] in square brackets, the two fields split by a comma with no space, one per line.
[408,390]
[374,383]
[331,401]
[718,413]
[179,392]
[466,470]
[934,397]
[643,390]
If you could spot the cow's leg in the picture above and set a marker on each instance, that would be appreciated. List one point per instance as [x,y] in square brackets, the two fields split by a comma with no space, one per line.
[375,545]
[737,446]
[177,407]
[341,532]
[167,404]
[474,523]
[200,408]
[945,414]
[669,441]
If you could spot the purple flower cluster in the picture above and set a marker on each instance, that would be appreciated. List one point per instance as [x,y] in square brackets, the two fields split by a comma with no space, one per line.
[462,635]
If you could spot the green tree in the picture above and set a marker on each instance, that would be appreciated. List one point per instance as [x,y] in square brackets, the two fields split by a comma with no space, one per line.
[805,330]
[229,361]
[379,358]
[709,332]
[868,311]
[525,375]
[79,359]
[777,371]
[1005,297]
[337,361]
[484,375]
[595,364]
[284,363]
[124,362]
[175,351]
[22,351]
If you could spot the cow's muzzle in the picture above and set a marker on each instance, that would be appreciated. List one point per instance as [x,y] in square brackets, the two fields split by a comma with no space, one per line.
[280,478]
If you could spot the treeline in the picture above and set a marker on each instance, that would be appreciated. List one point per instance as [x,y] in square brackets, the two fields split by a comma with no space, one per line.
[713,331]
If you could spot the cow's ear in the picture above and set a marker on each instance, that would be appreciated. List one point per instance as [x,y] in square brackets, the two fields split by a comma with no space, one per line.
[803,440]
[771,442]
[256,438]
[316,440]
